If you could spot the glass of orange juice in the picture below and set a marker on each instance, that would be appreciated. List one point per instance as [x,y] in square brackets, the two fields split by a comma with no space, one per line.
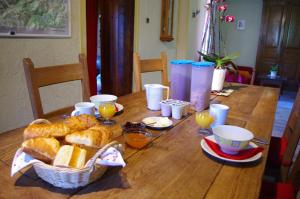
[204,119]
[107,111]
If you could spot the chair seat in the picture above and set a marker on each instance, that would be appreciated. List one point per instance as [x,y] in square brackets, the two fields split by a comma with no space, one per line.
[244,75]
[276,151]
[271,190]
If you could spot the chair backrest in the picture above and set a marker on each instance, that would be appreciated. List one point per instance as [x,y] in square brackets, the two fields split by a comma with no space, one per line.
[149,65]
[292,134]
[45,76]
[245,75]
[293,117]
[294,173]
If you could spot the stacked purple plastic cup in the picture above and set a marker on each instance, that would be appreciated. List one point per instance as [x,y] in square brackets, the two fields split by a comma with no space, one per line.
[201,79]
[181,79]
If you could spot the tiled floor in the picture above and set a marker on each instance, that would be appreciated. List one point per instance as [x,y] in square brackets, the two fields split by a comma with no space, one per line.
[284,107]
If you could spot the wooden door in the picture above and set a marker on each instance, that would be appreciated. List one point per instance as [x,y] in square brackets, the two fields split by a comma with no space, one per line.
[290,51]
[280,40]
[117,19]
[271,36]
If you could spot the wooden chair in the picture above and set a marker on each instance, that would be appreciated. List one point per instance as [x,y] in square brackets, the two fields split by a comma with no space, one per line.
[45,76]
[245,75]
[280,190]
[149,65]
[282,150]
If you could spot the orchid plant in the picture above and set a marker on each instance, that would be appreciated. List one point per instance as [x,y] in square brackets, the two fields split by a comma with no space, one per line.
[217,16]
[222,62]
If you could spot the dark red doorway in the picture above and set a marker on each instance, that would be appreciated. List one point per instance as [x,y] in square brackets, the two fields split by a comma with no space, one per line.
[117,28]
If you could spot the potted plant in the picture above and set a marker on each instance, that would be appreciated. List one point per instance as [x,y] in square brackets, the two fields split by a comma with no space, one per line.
[217,16]
[222,64]
[274,70]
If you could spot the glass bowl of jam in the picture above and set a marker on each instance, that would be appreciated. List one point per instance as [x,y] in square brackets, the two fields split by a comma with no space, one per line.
[136,136]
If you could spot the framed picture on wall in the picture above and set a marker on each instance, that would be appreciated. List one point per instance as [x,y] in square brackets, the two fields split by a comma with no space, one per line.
[36,18]
[241,24]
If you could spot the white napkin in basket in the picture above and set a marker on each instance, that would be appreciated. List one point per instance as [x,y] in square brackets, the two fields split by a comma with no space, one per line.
[111,157]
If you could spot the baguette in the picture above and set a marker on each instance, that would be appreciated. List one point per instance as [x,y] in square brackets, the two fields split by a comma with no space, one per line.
[97,137]
[46,130]
[44,149]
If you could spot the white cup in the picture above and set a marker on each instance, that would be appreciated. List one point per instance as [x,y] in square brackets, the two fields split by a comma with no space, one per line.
[219,112]
[177,110]
[84,108]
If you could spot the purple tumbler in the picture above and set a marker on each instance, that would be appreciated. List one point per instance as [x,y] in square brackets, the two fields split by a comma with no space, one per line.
[201,79]
[181,79]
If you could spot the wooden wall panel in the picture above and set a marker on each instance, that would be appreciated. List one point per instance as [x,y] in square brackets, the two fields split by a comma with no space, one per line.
[274,26]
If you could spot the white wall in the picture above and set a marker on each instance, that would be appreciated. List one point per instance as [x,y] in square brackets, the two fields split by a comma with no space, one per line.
[14,98]
[149,44]
[244,41]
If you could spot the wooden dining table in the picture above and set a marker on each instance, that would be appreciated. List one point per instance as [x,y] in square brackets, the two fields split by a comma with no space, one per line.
[172,166]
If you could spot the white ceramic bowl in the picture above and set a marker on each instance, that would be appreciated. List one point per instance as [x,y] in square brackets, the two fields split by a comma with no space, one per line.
[102,99]
[232,139]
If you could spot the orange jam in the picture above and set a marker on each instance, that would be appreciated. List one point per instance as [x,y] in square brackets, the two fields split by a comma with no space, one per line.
[137,140]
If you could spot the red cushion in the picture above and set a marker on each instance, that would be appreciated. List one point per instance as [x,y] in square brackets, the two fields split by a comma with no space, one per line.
[230,77]
[243,76]
[277,191]
[276,151]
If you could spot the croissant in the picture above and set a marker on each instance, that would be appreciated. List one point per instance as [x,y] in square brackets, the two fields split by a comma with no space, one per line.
[96,137]
[44,149]
[46,130]
[81,122]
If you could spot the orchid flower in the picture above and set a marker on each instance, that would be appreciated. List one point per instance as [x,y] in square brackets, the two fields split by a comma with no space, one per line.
[222,8]
[229,18]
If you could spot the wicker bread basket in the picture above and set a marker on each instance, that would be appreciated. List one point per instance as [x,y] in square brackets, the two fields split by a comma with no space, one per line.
[69,178]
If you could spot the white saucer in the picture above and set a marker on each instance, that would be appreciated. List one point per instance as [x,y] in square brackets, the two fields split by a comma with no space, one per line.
[207,149]
[148,121]
[120,108]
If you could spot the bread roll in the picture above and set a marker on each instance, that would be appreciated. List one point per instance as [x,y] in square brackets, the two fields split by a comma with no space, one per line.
[96,137]
[63,156]
[44,149]
[46,130]
[70,156]
[81,122]
[78,158]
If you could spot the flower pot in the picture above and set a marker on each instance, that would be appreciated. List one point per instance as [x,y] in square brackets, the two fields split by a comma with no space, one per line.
[273,73]
[218,79]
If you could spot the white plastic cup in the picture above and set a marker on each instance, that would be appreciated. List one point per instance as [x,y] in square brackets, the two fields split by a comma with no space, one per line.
[219,112]
[84,108]
[177,111]
[166,109]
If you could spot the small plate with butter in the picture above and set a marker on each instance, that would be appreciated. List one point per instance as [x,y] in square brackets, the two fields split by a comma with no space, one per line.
[158,123]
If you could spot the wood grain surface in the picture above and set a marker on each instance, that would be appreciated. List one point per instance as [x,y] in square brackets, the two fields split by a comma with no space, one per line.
[172,166]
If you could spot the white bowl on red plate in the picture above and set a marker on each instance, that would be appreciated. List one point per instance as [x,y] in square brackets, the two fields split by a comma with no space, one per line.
[211,152]
[232,139]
